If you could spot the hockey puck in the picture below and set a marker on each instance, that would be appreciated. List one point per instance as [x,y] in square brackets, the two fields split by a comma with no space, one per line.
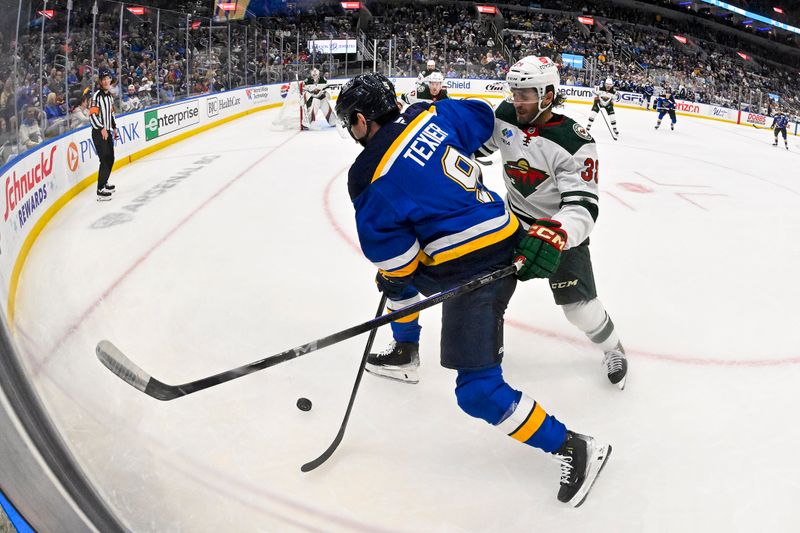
[304,404]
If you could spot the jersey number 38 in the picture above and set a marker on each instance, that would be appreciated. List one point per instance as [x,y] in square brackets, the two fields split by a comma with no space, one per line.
[590,171]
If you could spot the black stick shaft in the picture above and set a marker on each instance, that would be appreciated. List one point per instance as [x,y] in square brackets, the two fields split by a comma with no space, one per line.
[311,465]
[162,391]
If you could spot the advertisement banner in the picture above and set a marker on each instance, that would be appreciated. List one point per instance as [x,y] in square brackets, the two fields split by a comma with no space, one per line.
[163,120]
[333,46]
[755,118]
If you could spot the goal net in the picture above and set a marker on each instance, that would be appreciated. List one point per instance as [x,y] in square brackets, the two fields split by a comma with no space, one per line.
[290,115]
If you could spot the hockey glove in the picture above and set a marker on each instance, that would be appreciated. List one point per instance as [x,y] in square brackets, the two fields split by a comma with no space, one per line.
[391,287]
[540,250]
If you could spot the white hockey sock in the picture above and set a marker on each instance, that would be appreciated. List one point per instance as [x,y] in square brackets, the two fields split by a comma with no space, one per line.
[592,318]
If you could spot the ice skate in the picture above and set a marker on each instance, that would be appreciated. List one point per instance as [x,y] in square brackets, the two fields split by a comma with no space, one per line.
[103,195]
[616,366]
[582,459]
[399,362]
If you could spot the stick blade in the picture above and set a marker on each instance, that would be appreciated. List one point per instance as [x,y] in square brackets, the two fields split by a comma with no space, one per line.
[129,372]
[118,363]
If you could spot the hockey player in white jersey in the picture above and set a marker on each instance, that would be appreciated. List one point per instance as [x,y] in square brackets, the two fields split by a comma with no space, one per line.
[317,102]
[604,98]
[432,90]
[430,68]
[550,167]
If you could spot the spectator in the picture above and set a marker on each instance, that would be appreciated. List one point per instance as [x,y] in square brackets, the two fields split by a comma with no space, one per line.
[30,133]
[130,101]
[54,113]
[80,114]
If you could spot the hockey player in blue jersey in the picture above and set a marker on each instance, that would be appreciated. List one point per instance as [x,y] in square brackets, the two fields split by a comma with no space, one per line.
[779,123]
[425,218]
[666,104]
[647,95]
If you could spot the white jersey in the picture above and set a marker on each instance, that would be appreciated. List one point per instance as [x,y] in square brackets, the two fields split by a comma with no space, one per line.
[605,96]
[315,88]
[550,171]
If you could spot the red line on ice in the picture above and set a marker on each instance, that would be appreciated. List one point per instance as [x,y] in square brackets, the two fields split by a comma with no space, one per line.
[516,324]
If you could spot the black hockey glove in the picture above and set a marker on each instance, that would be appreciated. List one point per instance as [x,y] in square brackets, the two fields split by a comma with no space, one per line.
[392,287]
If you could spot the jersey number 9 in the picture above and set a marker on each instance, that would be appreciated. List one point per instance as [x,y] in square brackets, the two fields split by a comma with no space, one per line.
[466,173]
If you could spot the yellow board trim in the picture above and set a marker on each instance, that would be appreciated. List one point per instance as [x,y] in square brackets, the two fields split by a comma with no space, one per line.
[397,142]
[471,246]
[76,189]
[531,425]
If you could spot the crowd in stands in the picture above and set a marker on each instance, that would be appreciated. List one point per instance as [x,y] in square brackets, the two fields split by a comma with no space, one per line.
[161,61]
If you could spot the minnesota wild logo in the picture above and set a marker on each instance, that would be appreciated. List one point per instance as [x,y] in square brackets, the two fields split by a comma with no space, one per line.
[525,178]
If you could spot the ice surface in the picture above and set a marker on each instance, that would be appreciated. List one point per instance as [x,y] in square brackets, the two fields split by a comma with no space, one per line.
[252,251]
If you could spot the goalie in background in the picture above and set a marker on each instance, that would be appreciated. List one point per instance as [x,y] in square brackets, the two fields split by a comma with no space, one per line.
[317,101]
[432,90]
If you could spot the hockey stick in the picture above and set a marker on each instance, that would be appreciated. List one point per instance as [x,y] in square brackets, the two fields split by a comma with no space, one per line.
[311,465]
[602,114]
[118,363]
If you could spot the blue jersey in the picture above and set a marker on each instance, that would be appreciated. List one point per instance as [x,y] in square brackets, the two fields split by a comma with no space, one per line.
[422,211]
[648,90]
[665,102]
[780,121]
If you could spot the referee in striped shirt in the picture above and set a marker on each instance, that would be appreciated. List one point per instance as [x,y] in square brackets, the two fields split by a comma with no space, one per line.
[104,131]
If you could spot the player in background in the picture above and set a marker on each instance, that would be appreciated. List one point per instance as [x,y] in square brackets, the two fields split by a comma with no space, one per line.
[423,216]
[647,94]
[430,68]
[604,97]
[666,104]
[431,91]
[779,123]
[550,167]
[317,100]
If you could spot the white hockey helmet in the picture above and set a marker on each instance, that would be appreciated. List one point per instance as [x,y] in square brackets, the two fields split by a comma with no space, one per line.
[533,72]
[609,82]
[315,73]
[435,77]
[537,73]
[431,64]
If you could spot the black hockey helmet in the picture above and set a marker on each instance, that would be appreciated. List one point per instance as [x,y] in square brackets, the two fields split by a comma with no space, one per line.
[103,73]
[372,95]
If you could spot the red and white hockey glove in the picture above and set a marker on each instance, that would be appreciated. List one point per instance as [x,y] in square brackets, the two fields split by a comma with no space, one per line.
[540,250]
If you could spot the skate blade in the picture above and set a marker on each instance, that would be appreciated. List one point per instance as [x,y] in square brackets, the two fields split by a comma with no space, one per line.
[103,198]
[598,459]
[403,375]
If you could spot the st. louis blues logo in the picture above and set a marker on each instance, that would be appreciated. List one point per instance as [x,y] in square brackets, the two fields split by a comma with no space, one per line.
[525,178]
